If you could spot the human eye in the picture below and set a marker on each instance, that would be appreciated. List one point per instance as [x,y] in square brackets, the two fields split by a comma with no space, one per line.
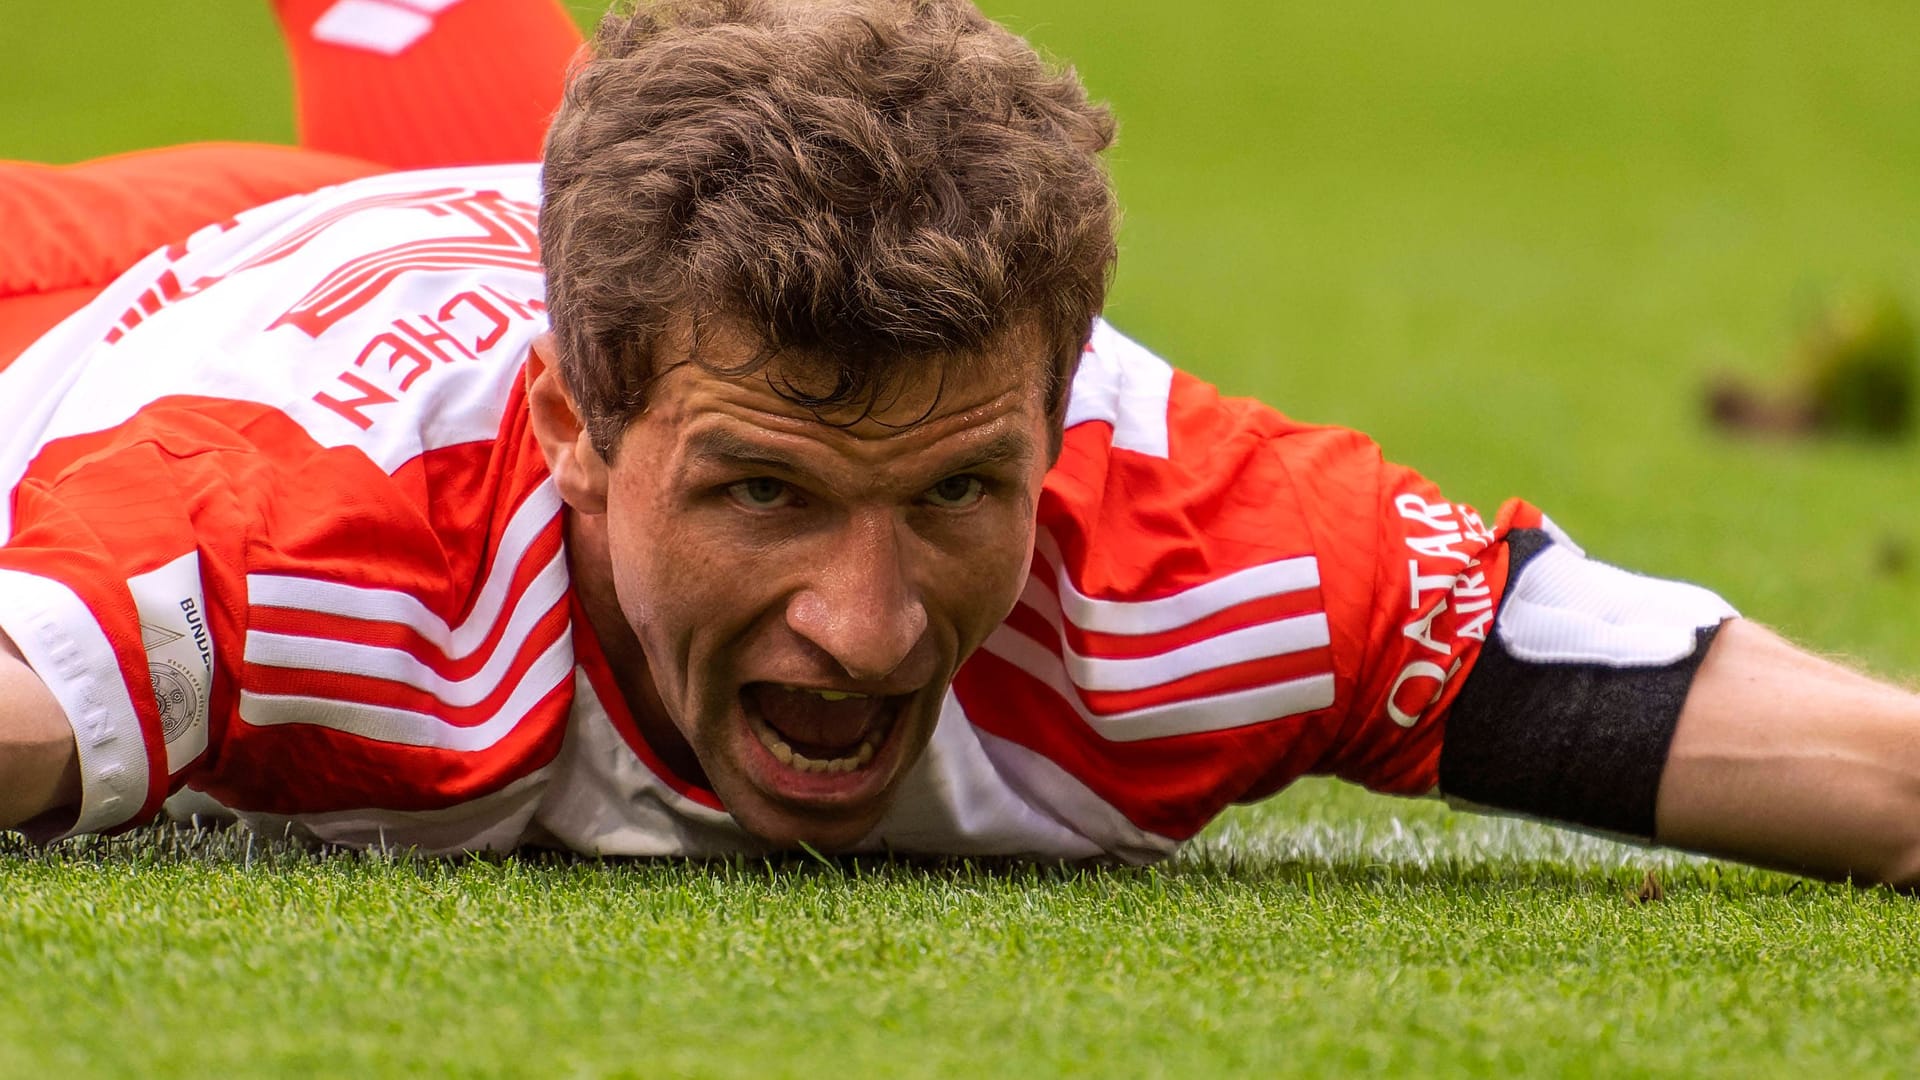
[957,492]
[762,493]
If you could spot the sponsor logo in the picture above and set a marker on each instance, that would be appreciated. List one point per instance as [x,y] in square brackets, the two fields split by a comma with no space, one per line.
[1450,606]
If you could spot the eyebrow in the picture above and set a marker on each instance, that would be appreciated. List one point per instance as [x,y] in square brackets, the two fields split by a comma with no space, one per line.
[732,448]
[1006,448]
[719,444]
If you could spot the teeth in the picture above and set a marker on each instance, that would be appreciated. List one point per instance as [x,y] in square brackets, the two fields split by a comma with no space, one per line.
[837,695]
[792,758]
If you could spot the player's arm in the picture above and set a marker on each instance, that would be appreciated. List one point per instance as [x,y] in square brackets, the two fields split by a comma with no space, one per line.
[39,763]
[1646,708]
[1495,664]
[1787,760]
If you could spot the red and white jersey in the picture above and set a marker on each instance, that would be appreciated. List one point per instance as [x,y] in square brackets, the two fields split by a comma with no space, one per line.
[277,534]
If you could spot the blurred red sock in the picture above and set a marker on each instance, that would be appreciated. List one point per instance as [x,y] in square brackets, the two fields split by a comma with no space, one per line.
[378,84]
[420,83]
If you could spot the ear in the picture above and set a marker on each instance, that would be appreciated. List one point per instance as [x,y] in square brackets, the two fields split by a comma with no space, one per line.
[579,472]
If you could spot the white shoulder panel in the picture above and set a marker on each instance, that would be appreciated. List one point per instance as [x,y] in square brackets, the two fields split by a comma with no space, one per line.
[1122,383]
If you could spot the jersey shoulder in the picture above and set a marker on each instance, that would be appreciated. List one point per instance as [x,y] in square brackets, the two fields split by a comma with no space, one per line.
[1179,645]
[388,314]
[1164,485]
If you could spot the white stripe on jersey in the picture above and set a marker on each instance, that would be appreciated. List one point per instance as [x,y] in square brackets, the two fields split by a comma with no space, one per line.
[536,512]
[388,724]
[1182,608]
[406,727]
[1215,712]
[378,26]
[1297,633]
[495,821]
[398,665]
[1070,673]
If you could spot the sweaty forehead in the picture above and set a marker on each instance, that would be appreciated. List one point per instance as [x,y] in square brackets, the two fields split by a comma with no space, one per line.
[722,363]
[926,409]
[725,428]
[873,377]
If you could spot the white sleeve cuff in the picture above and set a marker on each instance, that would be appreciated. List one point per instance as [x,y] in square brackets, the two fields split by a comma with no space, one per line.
[1568,609]
[61,640]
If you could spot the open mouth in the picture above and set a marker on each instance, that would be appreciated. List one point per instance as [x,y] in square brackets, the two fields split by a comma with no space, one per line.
[822,735]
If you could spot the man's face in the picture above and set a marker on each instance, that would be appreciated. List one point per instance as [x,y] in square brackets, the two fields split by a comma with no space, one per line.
[804,587]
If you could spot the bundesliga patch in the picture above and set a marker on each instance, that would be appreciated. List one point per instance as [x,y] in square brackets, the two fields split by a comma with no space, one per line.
[173,628]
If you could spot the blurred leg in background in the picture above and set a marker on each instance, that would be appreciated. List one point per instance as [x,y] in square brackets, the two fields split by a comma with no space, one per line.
[72,229]
[413,84]
[379,85]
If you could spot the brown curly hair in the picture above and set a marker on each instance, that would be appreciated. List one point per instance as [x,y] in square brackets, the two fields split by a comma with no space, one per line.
[869,186]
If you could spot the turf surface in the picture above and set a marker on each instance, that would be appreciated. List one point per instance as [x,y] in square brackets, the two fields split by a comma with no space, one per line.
[1508,241]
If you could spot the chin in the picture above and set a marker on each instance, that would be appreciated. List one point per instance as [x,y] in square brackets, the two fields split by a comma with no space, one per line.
[787,832]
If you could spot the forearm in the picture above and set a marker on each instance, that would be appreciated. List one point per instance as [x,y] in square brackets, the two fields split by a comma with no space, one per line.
[39,762]
[1788,760]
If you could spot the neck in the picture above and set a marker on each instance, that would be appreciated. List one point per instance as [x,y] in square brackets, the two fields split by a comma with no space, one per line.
[590,562]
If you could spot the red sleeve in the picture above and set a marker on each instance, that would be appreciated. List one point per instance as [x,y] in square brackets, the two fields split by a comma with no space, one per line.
[1412,583]
[216,600]
[1224,600]
[118,578]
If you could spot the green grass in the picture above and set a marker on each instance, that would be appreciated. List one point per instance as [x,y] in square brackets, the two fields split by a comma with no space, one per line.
[1289,942]
[1508,240]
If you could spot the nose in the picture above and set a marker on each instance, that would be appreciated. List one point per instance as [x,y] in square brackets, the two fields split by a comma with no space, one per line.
[859,605]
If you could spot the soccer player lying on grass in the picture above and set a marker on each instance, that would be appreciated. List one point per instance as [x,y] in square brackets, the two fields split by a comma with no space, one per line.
[813,515]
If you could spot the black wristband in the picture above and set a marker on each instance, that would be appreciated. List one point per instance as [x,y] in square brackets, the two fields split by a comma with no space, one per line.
[1580,743]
